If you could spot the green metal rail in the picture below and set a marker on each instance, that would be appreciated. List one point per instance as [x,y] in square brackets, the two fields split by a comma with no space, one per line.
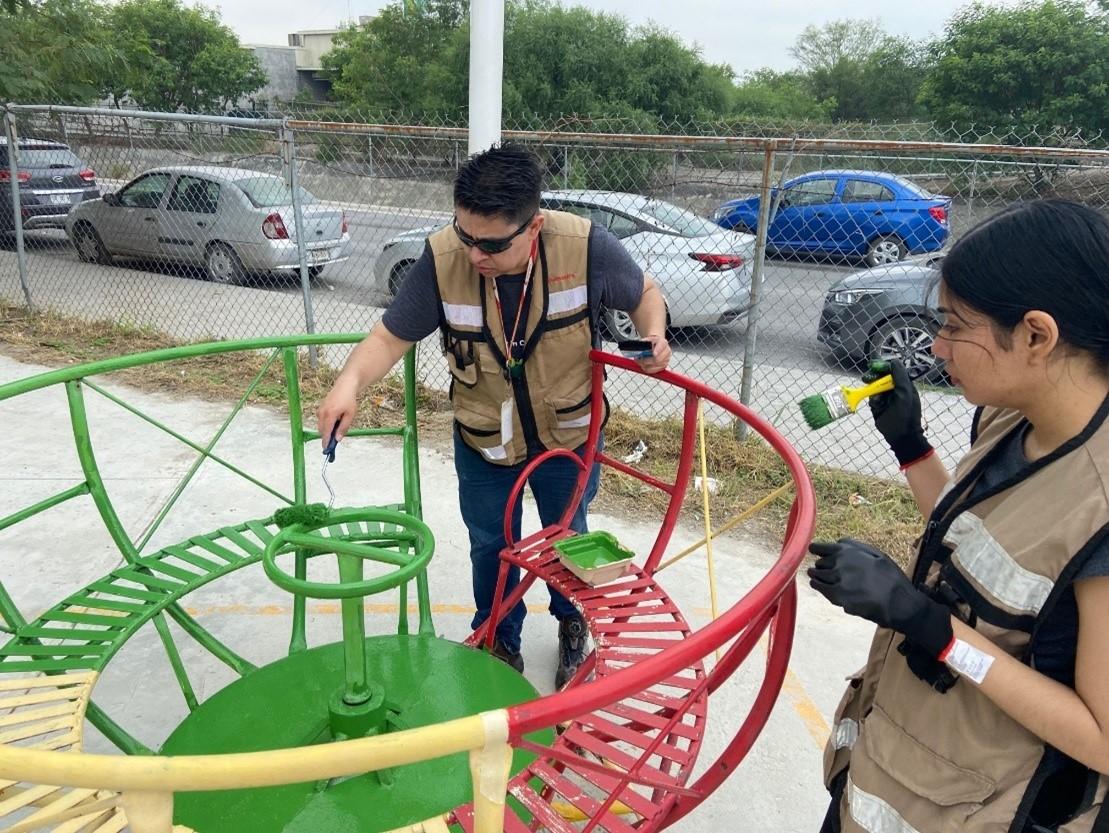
[88,628]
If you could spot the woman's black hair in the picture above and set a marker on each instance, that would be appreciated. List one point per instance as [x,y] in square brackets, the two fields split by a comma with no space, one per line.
[503,181]
[1047,255]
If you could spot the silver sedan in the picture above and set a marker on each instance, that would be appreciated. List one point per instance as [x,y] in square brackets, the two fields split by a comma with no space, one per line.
[704,272]
[231,221]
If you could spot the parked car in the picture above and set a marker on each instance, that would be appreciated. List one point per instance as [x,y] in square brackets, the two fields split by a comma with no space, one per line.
[886,313]
[704,273]
[879,216]
[231,221]
[52,179]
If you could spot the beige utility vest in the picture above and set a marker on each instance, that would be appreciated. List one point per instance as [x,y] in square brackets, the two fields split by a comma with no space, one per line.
[924,762]
[549,402]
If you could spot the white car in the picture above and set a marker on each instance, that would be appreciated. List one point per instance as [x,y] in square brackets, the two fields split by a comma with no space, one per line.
[231,221]
[704,272]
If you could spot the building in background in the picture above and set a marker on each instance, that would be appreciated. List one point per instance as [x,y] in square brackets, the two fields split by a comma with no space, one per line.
[296,69]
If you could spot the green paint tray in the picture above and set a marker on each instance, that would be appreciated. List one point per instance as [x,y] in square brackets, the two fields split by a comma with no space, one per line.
[594,557]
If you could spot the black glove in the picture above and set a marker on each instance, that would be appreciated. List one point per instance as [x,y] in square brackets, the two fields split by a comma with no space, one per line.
[926,667]
[867,583]
[897,413]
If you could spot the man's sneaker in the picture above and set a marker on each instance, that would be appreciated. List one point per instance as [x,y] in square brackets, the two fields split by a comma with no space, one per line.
[514,660]
[572,635]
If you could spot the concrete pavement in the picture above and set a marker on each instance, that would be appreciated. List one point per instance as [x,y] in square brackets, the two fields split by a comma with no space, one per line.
[776,789]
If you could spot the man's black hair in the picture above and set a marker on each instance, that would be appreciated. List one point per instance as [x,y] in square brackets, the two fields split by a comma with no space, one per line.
[502,182]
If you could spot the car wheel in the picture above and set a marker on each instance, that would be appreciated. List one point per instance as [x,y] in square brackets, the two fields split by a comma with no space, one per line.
[223,265]
[397,275]
[885,250]
[618,324]
[90,248]
[909,340]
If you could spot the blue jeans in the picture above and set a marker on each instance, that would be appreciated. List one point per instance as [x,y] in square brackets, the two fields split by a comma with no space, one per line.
[483,490]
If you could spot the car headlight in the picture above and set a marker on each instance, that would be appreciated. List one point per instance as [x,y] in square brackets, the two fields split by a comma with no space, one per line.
[720,213]
[846,297]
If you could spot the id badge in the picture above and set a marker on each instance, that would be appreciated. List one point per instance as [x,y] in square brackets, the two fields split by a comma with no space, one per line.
[506,421]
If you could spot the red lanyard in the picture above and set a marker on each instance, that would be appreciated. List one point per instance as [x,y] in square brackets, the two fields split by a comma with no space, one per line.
[510,361]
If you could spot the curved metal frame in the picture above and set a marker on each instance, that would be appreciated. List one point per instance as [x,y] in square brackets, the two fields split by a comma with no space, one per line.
[770,604]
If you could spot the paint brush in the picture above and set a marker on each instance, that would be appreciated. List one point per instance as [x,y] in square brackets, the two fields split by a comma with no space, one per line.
[825,408]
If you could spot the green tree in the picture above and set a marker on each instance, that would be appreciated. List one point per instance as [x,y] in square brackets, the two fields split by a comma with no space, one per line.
[179,58]
[777,95]
[557,60]
[55,51]
[402,60]
[859,72]
[1039,66]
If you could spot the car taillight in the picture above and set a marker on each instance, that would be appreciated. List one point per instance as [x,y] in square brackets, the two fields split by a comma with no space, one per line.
[274,227]
[718,263]
[939,213]
[346,225]
[6,175]
[88,174]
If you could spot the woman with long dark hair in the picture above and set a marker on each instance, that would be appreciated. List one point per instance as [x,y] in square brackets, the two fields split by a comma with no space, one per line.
[984,704]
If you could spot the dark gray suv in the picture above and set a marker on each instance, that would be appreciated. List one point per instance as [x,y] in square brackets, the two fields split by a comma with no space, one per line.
[886,313]
[52,179]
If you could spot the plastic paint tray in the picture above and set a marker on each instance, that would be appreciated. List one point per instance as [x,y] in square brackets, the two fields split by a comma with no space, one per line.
[594,557]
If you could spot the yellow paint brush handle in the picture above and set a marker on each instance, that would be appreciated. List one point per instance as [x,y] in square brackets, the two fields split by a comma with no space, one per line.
[855,396]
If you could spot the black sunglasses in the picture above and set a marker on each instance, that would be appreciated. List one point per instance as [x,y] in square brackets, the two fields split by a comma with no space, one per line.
[489,245]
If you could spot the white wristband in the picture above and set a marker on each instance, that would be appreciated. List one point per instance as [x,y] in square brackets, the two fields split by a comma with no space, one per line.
[968,661]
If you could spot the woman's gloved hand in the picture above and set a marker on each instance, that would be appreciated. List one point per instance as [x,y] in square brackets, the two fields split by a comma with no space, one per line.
[867,583]
[897,413]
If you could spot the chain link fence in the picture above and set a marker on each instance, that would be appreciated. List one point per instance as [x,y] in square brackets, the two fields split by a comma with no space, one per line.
[198,234]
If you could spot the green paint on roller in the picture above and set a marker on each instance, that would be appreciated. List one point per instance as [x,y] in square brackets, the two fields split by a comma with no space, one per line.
[309,514]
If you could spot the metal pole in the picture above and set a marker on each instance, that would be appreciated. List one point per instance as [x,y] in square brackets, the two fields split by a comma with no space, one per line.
[751,336]
[17,209]
[486,73]
[288,153]
[973,182]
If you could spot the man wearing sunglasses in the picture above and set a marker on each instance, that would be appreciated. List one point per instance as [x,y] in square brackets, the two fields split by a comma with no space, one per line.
[516,294]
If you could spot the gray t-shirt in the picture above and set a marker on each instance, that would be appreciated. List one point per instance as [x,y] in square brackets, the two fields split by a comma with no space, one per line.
[615,282]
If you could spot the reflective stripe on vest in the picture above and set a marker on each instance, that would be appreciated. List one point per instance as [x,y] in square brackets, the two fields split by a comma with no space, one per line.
[980,556]
[567,300]
[845,733]
[462,315]
[873,814]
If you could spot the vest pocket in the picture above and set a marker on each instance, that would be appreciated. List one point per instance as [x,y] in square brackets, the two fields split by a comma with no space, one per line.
[900,784]
[568,417]
[461,356]
[482,432]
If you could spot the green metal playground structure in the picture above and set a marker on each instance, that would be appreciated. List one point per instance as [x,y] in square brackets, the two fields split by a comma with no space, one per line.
[384,732]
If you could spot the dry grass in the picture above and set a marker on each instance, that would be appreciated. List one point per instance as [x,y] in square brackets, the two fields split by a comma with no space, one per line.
[875,510]
[868,508]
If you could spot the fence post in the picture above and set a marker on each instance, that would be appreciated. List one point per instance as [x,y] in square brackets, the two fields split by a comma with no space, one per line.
[973,182]
[751,335]
[288,157]
[17,208]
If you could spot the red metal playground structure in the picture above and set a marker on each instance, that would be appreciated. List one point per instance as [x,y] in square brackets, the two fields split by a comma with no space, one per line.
[402,731]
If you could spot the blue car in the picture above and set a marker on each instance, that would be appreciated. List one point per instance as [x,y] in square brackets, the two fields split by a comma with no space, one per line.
[879,216]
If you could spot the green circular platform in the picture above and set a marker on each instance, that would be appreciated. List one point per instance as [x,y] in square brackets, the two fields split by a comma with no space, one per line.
[427,680]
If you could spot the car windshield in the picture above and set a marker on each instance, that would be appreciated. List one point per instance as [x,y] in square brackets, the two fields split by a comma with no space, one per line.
[270,191]
[685,223]
[48,157]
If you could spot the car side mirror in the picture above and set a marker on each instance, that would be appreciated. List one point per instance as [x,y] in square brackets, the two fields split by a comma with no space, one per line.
[110,199]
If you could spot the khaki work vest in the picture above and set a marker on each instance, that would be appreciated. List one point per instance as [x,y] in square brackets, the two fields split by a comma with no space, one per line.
[919,761]
[549,402]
